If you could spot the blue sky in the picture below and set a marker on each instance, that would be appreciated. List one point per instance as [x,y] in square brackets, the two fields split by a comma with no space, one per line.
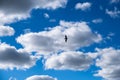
[32,45]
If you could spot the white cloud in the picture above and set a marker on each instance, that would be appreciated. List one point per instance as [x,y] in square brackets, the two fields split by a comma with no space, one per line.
[46,15]
[41,77]
[99,20]
[12,10]
[109,62]
[110,35]
[51,4]
[12,78]
[6,31]
[83,6]
[113,13]
[79,35]
[11,58]
[6,17]
[114,1]
[70,60]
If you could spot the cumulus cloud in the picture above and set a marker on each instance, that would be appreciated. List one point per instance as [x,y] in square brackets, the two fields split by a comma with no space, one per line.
[70,60]
[79,35]
[14,6]
[113,13]
[51,4]
[41,77]
[6,31]
[12,10]
[99,20]
[83,6]
[11,58]
[109,62]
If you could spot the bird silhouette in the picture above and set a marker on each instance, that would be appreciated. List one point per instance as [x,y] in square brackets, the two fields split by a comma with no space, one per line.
[66,38]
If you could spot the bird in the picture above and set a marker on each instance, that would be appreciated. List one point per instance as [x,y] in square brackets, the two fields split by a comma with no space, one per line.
[66,38]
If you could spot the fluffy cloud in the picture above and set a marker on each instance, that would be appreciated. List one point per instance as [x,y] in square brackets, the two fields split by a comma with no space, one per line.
[6,31]
[83,6]
[11,58]
[12,10]
[41,77]
[14,6]
[79,35]
[109,62]
[113,13]
[51,4]
[70,60]
[99,20]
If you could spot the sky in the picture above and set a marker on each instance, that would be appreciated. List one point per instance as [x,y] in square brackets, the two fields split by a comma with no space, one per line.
[32,45]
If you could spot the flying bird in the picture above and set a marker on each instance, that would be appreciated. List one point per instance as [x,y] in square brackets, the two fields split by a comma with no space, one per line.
[66,38]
